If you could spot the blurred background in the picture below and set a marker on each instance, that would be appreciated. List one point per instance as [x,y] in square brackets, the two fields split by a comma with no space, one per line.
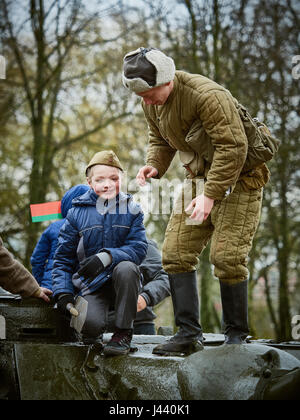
[63,100]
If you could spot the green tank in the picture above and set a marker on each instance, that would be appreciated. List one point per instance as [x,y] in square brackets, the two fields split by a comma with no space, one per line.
[41,359]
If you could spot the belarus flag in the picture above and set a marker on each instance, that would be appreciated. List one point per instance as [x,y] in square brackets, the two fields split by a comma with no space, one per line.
[46,211]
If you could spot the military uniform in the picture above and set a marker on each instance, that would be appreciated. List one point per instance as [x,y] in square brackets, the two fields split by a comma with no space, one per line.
[207,126]
[201,120]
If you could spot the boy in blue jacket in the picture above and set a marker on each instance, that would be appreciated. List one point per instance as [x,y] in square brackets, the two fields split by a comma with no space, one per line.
[103,241]
[43,254]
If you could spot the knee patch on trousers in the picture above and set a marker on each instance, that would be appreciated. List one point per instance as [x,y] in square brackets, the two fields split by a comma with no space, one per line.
[235,221]
[184,238]
[184,243]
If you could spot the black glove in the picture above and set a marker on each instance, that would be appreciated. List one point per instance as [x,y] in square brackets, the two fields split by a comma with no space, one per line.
[62,301]
[91,267]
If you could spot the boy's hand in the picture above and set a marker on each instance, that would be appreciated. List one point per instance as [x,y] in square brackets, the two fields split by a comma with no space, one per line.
[63,301]
[91,267]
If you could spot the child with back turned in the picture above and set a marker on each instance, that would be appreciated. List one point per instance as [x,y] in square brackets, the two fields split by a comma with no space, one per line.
[43,254]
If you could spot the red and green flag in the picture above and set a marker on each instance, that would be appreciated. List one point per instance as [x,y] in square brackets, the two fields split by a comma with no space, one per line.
[46,211]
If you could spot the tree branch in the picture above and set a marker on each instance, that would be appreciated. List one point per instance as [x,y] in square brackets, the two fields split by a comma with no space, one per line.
[81,136]
[19,59]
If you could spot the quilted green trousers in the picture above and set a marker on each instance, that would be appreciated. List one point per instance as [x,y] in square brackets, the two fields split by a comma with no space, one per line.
[231,227]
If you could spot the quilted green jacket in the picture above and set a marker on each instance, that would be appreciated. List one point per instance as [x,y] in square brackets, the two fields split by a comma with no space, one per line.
[198,104]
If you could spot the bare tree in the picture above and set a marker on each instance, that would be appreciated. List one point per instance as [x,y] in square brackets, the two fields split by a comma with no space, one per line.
[48,41]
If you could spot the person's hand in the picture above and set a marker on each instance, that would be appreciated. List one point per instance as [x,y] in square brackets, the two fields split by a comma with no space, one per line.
[43,293]
[144,173]
[201,206]
[63,300]
[141,304]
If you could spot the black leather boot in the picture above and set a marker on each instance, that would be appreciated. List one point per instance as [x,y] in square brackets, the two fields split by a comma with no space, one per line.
[235,312]
[189,338]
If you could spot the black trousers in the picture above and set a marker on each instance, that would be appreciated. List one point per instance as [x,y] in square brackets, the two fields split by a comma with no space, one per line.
[122,292]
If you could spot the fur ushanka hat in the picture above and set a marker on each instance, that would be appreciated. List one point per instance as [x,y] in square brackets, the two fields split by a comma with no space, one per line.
[146,68]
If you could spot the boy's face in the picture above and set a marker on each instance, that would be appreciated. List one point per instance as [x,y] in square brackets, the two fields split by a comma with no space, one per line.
[105,181]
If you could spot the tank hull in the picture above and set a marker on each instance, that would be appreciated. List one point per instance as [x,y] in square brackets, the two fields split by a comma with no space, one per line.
[42,359]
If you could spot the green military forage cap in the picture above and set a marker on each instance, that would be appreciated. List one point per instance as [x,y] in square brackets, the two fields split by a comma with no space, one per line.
[107,157]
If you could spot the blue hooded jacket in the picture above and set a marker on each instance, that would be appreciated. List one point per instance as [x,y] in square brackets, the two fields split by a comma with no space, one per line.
[43,254]
[94,225]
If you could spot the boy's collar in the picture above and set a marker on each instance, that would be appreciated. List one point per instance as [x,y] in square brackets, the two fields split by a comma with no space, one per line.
[120,197]
[105,206]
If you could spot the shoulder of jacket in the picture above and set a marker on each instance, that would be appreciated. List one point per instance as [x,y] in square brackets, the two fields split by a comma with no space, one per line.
[56,225]
[134,207]
[87,199]
[51,230]
[198,83]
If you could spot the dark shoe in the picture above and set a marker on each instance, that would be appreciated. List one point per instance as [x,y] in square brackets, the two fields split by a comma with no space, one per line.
[119,343]
[235,312]
[177,347]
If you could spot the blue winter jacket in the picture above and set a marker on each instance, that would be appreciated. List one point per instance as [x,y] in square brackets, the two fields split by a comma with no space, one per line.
[43,254]
[94,225]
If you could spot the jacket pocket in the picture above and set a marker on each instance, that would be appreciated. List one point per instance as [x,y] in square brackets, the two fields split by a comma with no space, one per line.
[255,179]
[262,146]
[200,142]
[120,233]
[93,238]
